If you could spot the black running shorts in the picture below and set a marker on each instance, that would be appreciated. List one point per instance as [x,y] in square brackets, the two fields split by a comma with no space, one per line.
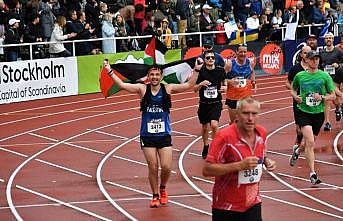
[208,112]
[307,119]
[156,141]
[232,104]
[252,214]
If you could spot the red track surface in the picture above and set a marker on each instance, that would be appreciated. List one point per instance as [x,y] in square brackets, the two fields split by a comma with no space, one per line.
[62,159]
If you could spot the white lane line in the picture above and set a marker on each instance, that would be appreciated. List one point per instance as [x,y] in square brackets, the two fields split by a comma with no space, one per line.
[111,135]
[307,180]
[136,162]
[301,157]
[301,206]
[1,180]
[149,195]
[99,168]
[335,143]
[272,191]
[294,188]
[185,134]
[284,201]
[63,203]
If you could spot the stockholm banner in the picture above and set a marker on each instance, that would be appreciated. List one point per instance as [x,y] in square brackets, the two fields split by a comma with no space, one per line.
[38,79]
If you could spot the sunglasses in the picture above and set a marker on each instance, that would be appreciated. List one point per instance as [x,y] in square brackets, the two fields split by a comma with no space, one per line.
[210,57]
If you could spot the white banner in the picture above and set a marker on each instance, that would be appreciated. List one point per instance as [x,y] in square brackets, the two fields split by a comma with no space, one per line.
[38,79]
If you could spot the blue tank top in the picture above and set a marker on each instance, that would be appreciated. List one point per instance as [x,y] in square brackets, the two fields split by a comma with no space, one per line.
[240,70]
[155,121]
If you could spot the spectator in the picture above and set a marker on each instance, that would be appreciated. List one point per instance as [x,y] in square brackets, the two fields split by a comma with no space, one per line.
[87,32]
[340,17]
[139,15]
[316,17]
[103,10]
[277,22]
[267,4]
[164,29]
[221,38]
[256,6]
[108,31]
[331,18]
[226,8]
[167,7]
[122,30]
[242,11]
[182,13]
[32,33]
[194,26]
[206,23]
[92,12]
[58,49]
[12,37]
[253,21]
[47,19]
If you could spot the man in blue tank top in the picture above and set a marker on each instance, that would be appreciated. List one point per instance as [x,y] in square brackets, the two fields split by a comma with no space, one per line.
[155,133]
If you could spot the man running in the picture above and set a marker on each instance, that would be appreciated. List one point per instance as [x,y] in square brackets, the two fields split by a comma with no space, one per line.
[208,85]
[241,80]
[155,132]
[314,86]
[298,67]
[235,158]
[332,61]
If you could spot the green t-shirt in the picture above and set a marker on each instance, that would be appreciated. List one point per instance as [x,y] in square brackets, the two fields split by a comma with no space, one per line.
[310,83]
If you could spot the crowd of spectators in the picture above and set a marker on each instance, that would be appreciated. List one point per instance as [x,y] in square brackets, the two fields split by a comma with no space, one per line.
[23,21]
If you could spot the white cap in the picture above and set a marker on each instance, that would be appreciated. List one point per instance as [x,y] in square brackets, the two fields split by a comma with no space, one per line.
[329,34]
[220,21]
[206,6]
[12,21]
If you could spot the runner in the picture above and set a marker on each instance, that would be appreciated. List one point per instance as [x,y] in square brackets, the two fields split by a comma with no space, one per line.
[155,133]
[314,87]
[298,67]
[235,158]
[241,80]
[208,85]
[332,61]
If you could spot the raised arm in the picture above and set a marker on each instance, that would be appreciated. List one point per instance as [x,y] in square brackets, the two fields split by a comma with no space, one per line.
[177,88]
[132,88]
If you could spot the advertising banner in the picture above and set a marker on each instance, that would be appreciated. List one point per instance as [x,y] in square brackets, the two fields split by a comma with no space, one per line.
[38,79]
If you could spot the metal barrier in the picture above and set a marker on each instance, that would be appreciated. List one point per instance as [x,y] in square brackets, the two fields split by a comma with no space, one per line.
[200,34]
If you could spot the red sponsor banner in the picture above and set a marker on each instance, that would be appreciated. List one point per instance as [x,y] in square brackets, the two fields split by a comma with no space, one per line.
[271,59]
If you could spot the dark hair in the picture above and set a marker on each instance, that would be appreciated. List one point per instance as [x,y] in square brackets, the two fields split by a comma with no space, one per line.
[208,52]
[154,66]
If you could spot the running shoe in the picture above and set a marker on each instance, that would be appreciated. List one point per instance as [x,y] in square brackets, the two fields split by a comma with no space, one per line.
[314,179]
[327,126]
[155,202]
[338,114]
[205,151]
[295,155]
[163,196]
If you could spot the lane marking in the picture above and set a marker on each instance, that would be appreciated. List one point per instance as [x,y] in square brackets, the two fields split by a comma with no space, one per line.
[63,203]
[335,144]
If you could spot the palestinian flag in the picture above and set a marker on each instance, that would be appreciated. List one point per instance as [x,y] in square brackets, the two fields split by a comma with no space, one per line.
[174,72]
[154,52]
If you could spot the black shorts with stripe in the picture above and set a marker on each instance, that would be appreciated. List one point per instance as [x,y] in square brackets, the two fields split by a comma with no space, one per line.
[252,214]
[209,111]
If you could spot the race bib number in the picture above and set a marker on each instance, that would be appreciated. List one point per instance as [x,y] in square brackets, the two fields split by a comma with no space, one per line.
[311,101]
[250,176]
[156,127]
[211,92]
[242,82]
[330,69]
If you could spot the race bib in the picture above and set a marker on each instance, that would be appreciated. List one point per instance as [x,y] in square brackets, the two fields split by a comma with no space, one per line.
[311,101]
[250,176]
[211,92]
[156,127]
[330,69]
[242,82]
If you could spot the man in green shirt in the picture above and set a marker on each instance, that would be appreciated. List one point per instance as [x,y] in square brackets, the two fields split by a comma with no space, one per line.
[314,86]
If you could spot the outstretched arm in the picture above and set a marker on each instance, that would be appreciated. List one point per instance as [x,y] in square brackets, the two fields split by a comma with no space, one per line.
[132,88]
[175,88]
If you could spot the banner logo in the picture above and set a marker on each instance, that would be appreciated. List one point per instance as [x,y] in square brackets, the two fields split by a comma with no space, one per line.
[271,59]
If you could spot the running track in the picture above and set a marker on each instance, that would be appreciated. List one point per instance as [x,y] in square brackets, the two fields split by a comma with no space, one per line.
[78,158]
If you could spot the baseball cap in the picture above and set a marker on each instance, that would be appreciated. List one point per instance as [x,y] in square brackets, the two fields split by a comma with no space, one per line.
[312,54]
[206,6]
[329,34]
[207,43]
[220,21]
[311,36]
[12,21]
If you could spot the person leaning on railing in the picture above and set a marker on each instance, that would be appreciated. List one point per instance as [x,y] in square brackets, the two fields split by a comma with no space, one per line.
[58,49]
